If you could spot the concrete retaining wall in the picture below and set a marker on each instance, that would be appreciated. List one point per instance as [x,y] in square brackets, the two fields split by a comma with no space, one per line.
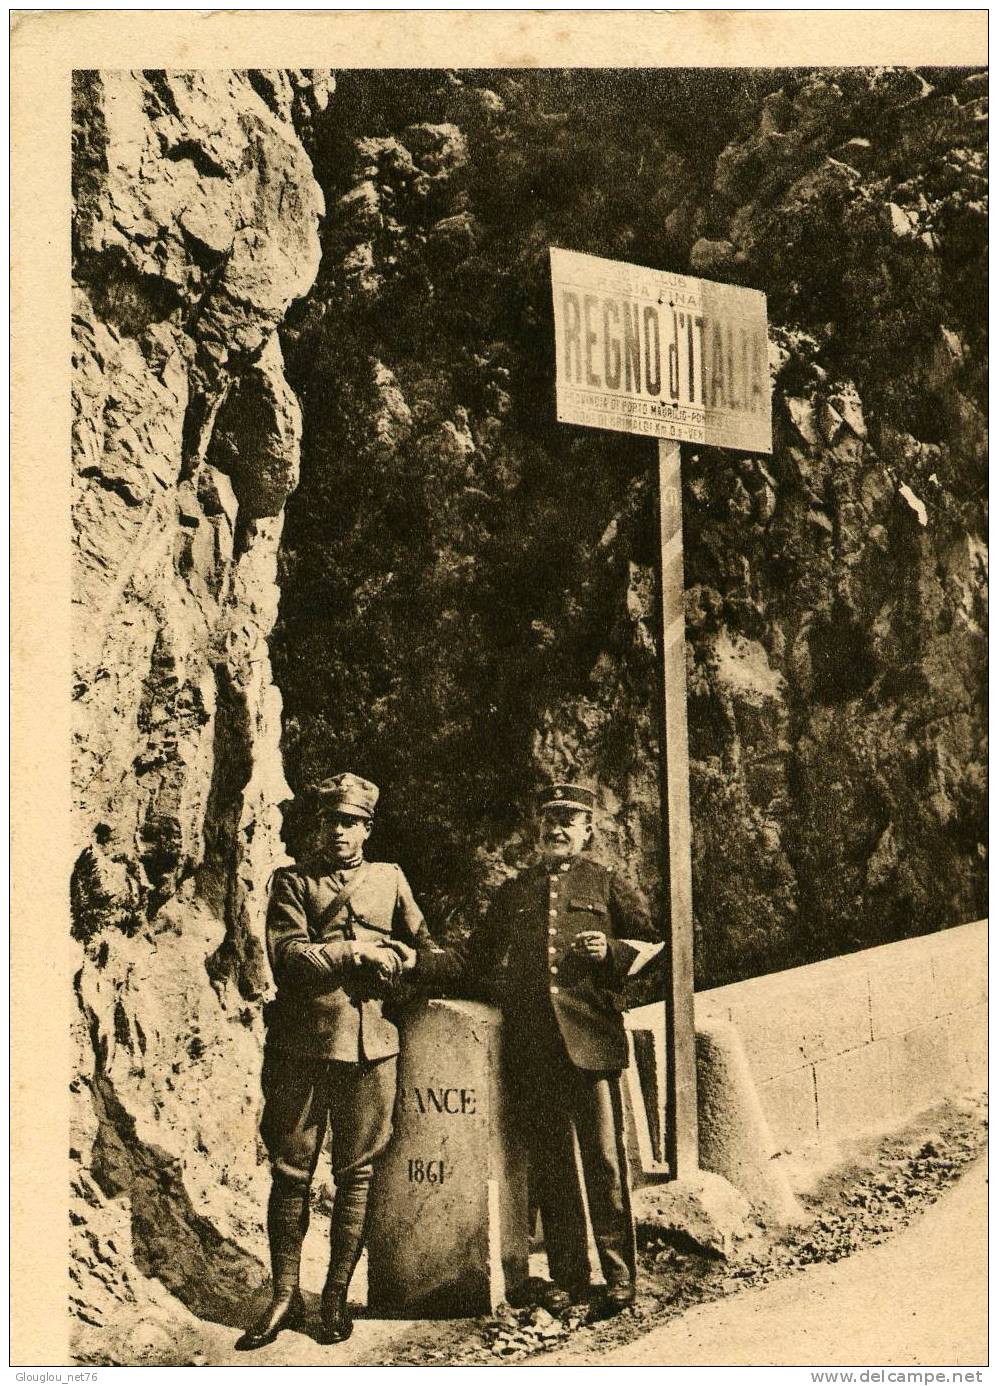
[858,1042]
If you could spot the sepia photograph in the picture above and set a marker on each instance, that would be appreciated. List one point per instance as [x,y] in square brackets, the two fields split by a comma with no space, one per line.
[518,890]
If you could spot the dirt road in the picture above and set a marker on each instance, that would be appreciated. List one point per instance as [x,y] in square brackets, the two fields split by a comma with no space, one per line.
[918,1299]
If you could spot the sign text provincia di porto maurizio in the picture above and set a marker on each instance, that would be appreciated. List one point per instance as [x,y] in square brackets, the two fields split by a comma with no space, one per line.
[666,355]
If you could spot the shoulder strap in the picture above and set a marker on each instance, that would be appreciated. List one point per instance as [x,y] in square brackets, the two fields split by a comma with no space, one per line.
[341,897]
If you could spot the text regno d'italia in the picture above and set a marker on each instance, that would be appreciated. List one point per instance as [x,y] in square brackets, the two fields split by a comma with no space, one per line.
[662,351]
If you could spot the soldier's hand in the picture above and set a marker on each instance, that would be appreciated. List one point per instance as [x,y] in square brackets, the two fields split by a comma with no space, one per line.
[591,943]
[380,958]
[405,953]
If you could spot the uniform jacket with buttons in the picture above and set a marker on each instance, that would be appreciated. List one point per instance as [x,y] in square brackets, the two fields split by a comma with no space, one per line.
[328,1006]
[520,958]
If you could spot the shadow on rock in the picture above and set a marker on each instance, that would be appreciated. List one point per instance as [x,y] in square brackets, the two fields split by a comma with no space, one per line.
[209,1273]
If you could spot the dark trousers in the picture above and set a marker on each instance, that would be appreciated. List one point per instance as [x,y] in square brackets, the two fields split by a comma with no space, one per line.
[305,1097]
[555,1099]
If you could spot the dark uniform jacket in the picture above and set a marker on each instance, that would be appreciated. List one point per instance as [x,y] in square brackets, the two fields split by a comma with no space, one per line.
[328,1006]
[520,958]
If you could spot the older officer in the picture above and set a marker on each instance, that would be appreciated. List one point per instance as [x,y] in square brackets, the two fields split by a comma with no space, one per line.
[333,926]
[553,951]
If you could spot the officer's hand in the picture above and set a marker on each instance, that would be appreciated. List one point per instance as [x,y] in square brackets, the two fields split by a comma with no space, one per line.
[379,958]
[405,953]
[591,943]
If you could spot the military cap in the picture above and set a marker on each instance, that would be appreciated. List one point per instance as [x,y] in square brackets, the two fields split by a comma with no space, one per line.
[347,792]
[570,796]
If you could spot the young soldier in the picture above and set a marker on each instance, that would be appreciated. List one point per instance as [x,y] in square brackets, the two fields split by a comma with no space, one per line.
[331,1053]
[553,951]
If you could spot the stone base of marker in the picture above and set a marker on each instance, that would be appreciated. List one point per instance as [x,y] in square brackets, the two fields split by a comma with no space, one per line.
[702,1208]
[448,1226]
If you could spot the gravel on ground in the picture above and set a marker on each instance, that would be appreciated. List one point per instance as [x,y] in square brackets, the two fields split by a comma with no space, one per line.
[872,1193]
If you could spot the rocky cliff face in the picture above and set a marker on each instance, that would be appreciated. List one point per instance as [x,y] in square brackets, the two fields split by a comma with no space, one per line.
[196,227]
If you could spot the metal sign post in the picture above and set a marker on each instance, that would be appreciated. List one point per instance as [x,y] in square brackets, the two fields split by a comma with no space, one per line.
[678,359]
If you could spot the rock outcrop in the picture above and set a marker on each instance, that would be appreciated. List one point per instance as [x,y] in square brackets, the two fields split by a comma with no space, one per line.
[196,226]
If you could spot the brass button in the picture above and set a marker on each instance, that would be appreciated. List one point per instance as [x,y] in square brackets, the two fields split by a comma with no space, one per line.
[553,914]
[554,969]
[552,949]
[552,932]
[554,991]
[565,866]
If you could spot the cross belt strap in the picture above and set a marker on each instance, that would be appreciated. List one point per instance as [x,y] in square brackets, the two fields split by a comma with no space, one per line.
[341,898]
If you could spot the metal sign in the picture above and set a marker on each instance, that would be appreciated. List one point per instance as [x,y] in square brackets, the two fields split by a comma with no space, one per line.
[661,354]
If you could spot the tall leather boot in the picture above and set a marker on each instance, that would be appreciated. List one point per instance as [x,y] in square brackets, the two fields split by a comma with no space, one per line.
[346,1241]
[287,1223]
